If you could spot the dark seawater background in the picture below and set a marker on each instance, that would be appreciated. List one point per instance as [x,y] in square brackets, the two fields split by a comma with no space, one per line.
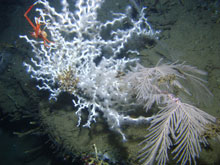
[190,31]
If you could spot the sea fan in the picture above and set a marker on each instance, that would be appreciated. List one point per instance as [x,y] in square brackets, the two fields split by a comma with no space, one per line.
[194,84]
[144,84]
[177,125]
[151,85]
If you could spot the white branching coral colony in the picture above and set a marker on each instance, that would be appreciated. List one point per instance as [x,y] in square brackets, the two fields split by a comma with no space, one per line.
[85,63]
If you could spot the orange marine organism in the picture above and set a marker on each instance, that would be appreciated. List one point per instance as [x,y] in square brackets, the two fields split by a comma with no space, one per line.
[38,33]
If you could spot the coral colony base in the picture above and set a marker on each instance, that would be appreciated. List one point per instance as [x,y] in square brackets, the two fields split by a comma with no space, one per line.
[84,63]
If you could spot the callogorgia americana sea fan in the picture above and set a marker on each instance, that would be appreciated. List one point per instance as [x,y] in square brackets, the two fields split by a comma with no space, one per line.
[178,125]
[151,85]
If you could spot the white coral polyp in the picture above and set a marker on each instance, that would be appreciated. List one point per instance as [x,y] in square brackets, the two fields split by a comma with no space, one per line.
[79,45]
